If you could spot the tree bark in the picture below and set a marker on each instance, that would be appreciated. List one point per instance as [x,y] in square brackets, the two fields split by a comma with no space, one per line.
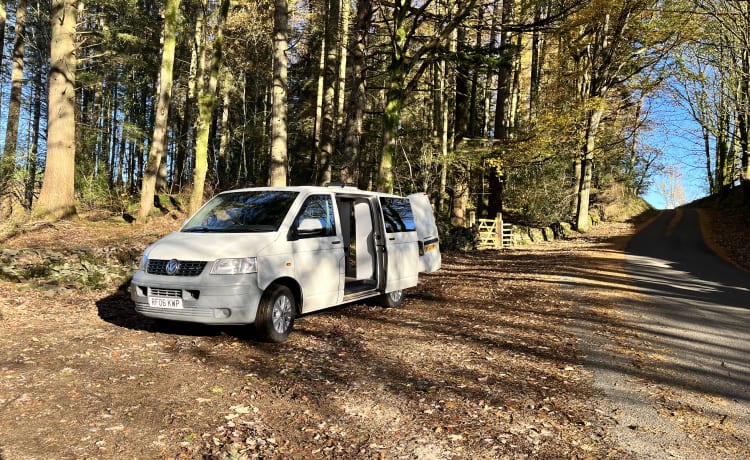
[32,164]
[206,103]
[330,80]
[159,140]
[278,169]
[583,221]
[224,178]
[3,19]
[16,85]
[57,197]
[9,197]
[343,57]
[356,111]
[196,69]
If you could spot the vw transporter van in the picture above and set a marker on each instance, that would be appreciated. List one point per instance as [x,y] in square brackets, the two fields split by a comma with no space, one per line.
[265,255]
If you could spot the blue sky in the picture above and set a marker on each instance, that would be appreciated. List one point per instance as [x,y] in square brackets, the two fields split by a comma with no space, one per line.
[677,136]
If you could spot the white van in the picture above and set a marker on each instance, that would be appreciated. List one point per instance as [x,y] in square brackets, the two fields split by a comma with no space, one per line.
[265,255]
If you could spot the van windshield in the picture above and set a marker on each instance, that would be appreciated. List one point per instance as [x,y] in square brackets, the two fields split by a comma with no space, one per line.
[242,212]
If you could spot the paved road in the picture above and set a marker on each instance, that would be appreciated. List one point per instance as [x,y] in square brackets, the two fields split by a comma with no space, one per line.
[700,305]
[689,321]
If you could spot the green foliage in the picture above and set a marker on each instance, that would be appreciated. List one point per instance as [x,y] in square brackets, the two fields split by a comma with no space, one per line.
[95,193]
[539,194]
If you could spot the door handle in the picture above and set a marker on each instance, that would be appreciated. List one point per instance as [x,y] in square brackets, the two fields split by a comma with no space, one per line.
[336,242]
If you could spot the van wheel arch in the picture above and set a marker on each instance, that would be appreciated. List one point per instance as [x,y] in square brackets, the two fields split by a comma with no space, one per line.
[277,309]
[293,286]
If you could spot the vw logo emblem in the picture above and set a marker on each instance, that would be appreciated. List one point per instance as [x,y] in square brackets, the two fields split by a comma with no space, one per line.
[172,267]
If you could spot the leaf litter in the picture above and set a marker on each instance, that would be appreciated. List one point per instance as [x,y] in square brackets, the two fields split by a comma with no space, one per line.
[478,363]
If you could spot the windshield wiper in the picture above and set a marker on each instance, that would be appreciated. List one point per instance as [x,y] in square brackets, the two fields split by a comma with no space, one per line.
[200,229]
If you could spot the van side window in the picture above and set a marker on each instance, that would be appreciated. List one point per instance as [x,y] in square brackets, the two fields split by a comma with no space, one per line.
[319,207]
[397,215]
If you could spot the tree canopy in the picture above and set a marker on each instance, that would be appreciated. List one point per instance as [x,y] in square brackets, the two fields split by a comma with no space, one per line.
[527,107]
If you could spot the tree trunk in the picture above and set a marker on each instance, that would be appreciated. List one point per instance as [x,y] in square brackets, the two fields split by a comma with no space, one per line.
[343,57]
[583,222]
[394,99]
[356,111]
[10,200]
[724,161]
[196,67]
[3,19]
[318,124]
[743,112]
[459,202]
[35,135]
[224,177]
[14,105]
[278,168]
[441,128]
[159,140]
[504,106]
[391,119]
[328,125]
[57,197]
[206,103]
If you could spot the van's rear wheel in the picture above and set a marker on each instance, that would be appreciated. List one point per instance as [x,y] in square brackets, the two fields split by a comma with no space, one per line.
[276,311]
[392,299]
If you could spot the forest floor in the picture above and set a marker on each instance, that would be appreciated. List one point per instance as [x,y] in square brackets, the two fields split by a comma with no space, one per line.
[479,362]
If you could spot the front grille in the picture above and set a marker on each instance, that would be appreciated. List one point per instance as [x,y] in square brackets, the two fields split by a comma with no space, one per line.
[160,292]
[184,268]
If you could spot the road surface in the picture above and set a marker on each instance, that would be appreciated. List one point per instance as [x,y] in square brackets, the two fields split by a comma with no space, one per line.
[679,385]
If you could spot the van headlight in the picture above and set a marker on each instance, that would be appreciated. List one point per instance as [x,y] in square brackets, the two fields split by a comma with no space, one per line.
[235,266]
[144,262]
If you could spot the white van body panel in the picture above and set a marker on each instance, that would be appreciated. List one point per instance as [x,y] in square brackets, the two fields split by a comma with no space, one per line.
[318,265]
[209,246]
[402,254]
[427,232]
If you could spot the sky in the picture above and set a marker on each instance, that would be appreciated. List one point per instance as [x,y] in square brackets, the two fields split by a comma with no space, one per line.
[676,135]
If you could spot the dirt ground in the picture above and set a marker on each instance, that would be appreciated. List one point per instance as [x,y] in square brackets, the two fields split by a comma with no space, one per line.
[478,363]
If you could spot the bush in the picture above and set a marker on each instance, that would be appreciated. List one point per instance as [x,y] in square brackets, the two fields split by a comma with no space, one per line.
[454,238]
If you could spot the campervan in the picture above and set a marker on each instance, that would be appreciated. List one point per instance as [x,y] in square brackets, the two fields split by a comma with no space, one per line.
[265,255]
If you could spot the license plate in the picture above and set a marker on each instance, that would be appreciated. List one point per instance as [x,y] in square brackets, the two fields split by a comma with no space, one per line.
[430,247]
[165,302]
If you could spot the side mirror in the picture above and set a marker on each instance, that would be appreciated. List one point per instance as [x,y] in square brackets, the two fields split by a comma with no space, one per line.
[309,227]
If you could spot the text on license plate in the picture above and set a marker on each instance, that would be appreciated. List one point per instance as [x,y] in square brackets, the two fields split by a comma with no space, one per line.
[430,247]
[165,302]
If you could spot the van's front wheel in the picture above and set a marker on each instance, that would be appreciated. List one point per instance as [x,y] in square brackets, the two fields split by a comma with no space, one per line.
[392,299]
[275,317]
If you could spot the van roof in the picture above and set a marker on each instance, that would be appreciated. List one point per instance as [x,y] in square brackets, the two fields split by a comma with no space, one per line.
[336,188]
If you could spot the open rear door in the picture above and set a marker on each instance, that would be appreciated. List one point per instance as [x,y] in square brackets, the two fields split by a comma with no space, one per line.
[427,232]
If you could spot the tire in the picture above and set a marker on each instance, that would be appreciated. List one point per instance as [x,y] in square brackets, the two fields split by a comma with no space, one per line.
[275,317]
[392,299]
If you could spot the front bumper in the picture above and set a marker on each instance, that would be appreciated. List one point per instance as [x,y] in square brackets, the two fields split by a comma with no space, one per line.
[207,299]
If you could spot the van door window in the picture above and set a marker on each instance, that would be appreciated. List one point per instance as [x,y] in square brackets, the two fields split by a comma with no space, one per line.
[397,215]
[319,208]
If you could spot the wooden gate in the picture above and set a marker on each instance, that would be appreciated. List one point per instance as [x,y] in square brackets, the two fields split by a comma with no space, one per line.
[494,233]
